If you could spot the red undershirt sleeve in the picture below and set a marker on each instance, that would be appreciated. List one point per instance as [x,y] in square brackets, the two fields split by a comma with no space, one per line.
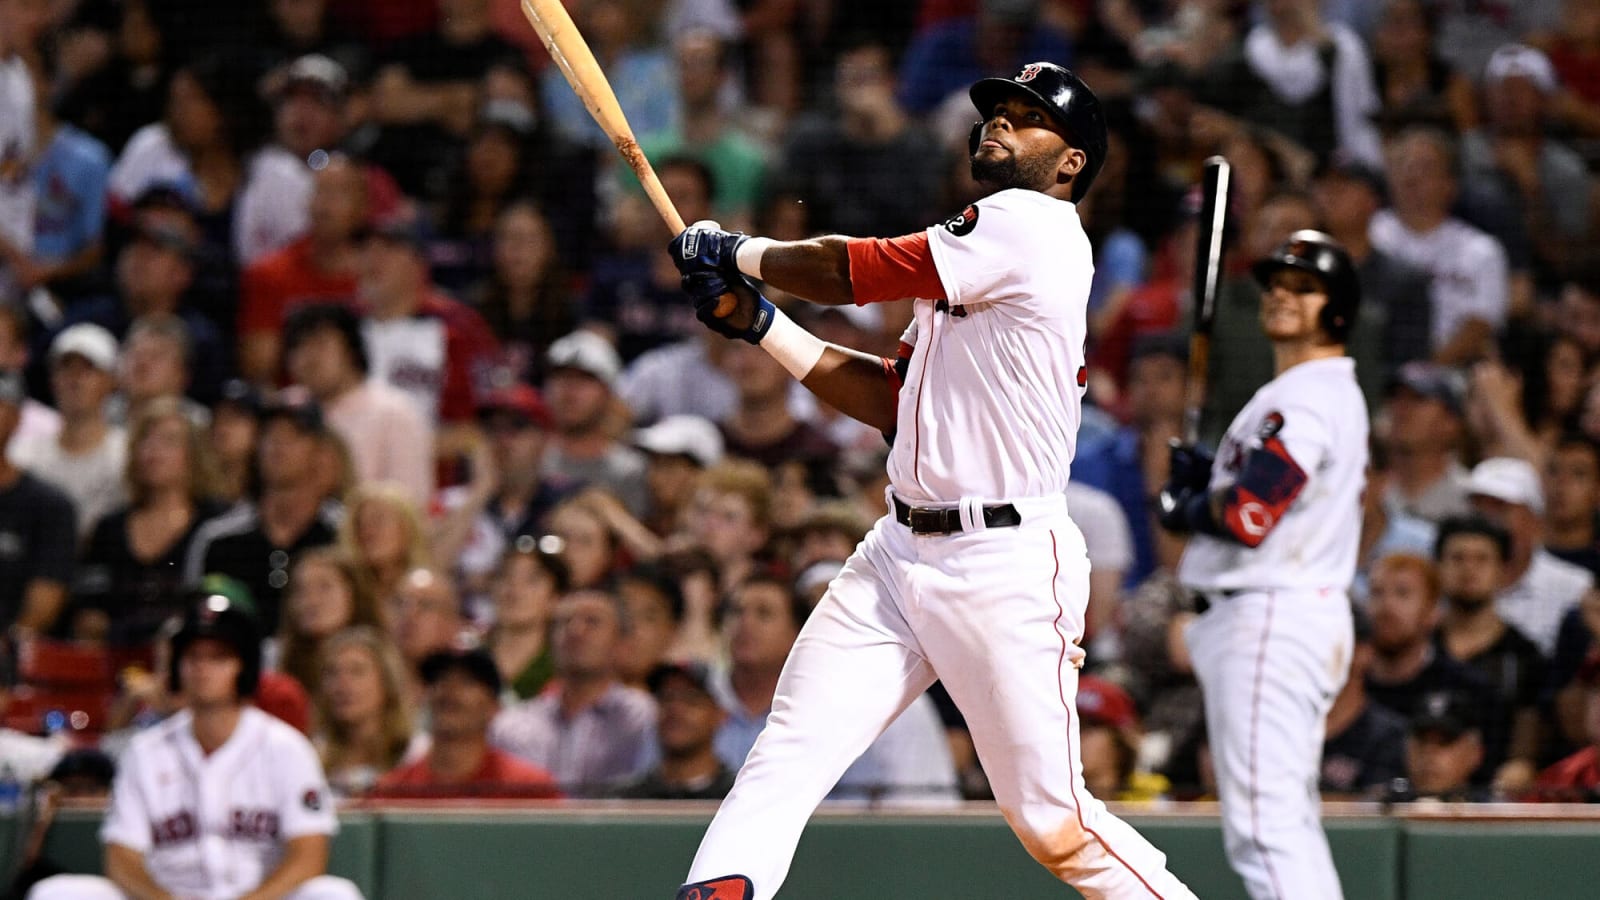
[893,269]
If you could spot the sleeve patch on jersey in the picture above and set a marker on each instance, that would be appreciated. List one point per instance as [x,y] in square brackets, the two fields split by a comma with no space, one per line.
[962,223]
[1267,485]
[1270,426]
[312,800]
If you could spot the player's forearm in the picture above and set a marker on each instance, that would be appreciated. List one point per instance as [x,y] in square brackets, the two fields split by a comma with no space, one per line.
[304,858]
[125,867]
[855,384]
[816,269]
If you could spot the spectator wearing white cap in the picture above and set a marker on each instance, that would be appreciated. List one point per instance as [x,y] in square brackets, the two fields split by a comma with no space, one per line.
[1538,588]
[87,458]
[581,392]
[677,449]
[1513,158]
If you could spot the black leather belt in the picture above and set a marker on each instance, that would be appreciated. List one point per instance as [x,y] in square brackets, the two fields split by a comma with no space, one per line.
[1202,599]
[947,519]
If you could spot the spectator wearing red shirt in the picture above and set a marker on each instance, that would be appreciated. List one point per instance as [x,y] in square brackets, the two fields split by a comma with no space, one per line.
[1577,777]
[463,696]
[434,348]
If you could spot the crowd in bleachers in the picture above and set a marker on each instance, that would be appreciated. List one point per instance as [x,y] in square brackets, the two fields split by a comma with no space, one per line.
[347,310]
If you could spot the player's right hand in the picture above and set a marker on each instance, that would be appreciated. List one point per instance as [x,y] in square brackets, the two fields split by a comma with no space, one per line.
[1189,466]
[705,247]
[751,317]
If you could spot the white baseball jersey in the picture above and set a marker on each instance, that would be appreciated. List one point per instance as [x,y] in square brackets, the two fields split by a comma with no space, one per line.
[214,826]
[1316,412]
[991,402]
[1469,269]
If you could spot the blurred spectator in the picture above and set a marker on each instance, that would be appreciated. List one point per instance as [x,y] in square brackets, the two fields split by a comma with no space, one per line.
[1131,463]
[526,588]
[1394,326]
[655,612]
[1572,513]
[1521,403]
[1470,31]
[1364,749]
[1574,49]
[860,164]
[132,563]
[730,518]
[1406,664]
[710,129]
[288,512]
[1108,727]
[1385,529]
[114,91]
[156,364]
[235,425]
[299,28]
[639,70]
[21,25]
[681,379]
[37,535]
[324,352]
[424,616]
[1109,542]
[580,390]
[1471,555]
[1535,589]
[1307,78]
[677,450]
[588,729]
[437,350]
[1470,292]
[463,700]
[1545,182]
[69,182]
[39,423]
[829,533]
[494,170]
[761,427]
[1578,310]
[947,57]
[87,458]
[1444,747]
[525,298]
[1577,777]
[325,597]
[1416,86]
[910,764]
[363,720]
[426,91]
[688,719]
[382,531]
[1426,422]
[319,266]
[587,543]
[634,294]
[309,97]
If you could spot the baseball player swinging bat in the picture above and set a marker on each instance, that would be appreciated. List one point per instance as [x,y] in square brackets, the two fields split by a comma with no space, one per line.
[577,63]
[1208,256]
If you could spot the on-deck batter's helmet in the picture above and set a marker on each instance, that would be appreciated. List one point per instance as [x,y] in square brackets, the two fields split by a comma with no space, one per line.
[212,615]
[1318,253]
[1077,111]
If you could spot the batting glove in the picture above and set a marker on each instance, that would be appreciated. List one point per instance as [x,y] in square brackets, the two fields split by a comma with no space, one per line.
[752,315]
[1185,510]
[705,247]
[1189,466]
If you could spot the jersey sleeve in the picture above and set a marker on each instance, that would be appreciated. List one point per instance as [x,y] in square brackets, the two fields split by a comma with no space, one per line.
[306,805]
[1291,444]
[127,819]
[893,269]
[977,250]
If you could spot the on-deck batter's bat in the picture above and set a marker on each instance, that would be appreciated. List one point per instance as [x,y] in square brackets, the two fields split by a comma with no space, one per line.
[576,61]
[1207,274]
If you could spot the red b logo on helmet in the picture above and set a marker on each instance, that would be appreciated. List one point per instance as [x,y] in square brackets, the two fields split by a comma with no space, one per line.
[1028,73]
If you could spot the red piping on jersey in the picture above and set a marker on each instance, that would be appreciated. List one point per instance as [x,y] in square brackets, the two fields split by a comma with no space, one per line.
[1255,715]
[916,429]
[893,269]
[1061,691]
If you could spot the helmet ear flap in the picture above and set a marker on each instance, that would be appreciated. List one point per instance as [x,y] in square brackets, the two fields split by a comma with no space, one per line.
[973,137]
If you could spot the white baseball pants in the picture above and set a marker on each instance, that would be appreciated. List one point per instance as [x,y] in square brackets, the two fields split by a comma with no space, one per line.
[997,615]
[95,887]
[1270,664]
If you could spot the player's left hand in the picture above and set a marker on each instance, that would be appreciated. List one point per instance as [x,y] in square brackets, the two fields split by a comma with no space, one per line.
[705,247]
[1189,466]
[751,317]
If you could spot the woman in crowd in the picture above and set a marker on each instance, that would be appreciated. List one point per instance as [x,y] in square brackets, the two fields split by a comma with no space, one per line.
[326,596]
[363,723]
[589,546]
[1414,83]
[529,582]
[133,559]
[524,298]
[383,533]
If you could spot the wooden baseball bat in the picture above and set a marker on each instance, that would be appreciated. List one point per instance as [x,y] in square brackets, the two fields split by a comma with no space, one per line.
[1208,257]
[577,63]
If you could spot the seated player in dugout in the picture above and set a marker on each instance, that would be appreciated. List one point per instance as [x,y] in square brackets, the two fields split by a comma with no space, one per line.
[982,407]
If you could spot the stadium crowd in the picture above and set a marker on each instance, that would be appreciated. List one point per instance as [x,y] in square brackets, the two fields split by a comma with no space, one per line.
[345,310]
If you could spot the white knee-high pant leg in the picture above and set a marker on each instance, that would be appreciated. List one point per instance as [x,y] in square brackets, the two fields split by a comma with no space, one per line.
[1270,664]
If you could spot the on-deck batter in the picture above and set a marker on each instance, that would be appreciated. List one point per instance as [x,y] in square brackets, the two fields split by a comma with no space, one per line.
[1276,522]
[976,576]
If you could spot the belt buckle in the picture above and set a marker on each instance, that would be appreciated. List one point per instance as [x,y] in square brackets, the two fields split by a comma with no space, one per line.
[926,520]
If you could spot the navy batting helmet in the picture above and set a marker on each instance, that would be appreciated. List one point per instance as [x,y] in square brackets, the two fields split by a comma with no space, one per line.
[211,615]
[1318,253]
[1077,110]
